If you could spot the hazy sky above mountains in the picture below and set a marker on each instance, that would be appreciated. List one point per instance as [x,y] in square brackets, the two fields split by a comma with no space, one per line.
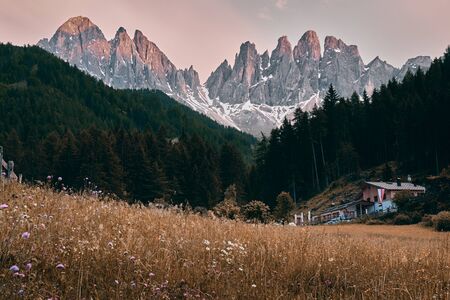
[205,32]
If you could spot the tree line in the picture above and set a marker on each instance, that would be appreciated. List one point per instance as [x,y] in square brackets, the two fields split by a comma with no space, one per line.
[407,122]
[133,165]
[142,145]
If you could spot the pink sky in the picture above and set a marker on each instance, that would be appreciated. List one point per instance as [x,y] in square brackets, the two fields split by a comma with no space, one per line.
[205,32]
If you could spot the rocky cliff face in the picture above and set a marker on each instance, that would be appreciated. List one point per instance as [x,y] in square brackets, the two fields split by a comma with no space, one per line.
[413,65]
[81,43]
[127,63]
[263,88]
[254,94]
[376,73]
[340,66]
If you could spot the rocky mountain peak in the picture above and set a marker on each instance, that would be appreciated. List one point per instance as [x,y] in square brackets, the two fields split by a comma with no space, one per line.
[246,63]
[254,95]
[79,42]
[139,36]
[337,45]
[76,25]
[122,43]
[247,51]
[413,65]
[150,53]
[308,46]
[332,42]
[376,73]
[225,65]
[121,31]
[341,66]
[376,61]
[218,78]
[283,49]
[265,60]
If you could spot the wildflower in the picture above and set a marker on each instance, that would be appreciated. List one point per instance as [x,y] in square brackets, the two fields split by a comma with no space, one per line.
[206,242]
[14,269]
[60,267]
[116,281]
[25,235]
[4,206]
[240,269]
[59,178]
[207,248]
[20,292]
[151,274]
[21,275]
[253,285]
[328,282]
[28,266]
[49,177]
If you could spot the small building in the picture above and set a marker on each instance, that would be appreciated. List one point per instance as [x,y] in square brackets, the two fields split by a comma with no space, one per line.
[345,211]
[381,194]
[376,197]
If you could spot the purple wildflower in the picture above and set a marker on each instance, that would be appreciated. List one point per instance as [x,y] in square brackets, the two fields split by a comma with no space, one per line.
[14,269]
[60,267]
[26,235]
[4,206]
[28,266]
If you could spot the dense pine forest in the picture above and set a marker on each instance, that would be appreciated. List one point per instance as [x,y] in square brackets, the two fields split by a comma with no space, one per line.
[141,145]
[57,121]
[406,122]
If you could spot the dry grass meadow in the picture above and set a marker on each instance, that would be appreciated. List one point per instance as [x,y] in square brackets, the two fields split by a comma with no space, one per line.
[75,247]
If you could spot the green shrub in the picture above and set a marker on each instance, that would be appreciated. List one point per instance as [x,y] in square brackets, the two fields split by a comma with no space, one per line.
[427,221]
[228,208]
[403,199]
[285,206]
[441,221]
[402,219]
[256,211]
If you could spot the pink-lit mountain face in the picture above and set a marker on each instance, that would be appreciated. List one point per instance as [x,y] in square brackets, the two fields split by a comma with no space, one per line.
[254,94]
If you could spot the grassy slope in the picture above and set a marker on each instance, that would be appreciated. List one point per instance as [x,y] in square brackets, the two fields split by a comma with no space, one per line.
[111,250]
[345,189]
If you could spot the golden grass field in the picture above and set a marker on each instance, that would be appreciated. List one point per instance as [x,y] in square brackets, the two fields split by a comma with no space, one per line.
[76,247]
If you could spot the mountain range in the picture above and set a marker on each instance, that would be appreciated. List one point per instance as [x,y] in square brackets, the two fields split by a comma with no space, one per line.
[254,94]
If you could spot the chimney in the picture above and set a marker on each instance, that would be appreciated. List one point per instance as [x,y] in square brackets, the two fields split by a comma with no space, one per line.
[399,183]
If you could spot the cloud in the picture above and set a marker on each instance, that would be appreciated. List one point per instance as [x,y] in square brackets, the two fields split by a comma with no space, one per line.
[281,4]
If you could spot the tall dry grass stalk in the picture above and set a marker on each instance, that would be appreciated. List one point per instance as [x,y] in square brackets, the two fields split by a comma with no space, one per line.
[82,248]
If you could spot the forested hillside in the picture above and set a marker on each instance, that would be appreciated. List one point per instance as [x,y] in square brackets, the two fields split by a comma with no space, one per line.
[56,120]
[406,122]
[141,145]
